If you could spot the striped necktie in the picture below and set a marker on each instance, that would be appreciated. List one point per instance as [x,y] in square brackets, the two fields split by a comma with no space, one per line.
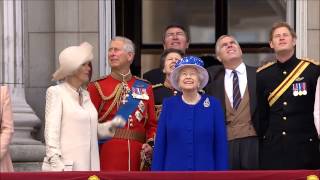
[236,91]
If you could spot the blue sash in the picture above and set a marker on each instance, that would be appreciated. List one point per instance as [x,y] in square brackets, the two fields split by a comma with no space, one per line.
[126,109]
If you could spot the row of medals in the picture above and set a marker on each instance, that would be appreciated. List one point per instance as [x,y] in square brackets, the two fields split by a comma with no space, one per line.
[299,89]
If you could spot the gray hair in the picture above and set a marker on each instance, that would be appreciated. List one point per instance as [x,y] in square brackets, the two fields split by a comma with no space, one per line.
[217,48]
[128,44]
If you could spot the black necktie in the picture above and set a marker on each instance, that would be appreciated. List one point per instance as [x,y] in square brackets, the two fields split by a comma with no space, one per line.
[236,91]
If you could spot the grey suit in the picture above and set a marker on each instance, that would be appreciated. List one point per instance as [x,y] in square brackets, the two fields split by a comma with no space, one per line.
[248,158]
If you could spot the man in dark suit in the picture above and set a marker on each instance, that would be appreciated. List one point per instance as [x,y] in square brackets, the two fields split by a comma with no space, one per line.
[234,84]
[174,37]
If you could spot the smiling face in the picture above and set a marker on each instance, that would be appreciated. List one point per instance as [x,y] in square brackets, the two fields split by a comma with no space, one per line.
[118,58]
[175,38]
[188,79]
[282,40]
[82,73]
[170,62]
[229,52]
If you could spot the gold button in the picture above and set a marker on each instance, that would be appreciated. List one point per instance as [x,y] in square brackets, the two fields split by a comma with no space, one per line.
[284,133]
[284,118]
[285,103]
[284,72]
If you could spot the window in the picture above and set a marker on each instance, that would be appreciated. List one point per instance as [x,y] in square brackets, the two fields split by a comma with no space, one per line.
[206,20]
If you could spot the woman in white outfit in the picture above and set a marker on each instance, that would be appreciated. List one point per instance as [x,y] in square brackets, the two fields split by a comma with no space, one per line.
[71,118]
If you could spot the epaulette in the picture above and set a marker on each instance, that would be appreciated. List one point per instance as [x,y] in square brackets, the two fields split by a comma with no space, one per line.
[311,60]
[157,85]
[265,66]
[100,78]
[142,79]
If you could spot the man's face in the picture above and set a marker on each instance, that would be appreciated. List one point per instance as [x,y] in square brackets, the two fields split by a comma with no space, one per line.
[229,51]
[175,38]
[282,40]
[118,58]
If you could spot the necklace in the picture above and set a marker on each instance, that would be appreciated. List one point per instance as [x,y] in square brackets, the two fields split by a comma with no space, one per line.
[193,101]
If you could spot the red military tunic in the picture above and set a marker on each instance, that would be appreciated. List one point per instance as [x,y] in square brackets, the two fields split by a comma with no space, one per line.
[120,153]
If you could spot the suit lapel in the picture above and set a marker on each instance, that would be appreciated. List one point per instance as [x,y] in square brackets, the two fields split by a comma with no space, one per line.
[251,76]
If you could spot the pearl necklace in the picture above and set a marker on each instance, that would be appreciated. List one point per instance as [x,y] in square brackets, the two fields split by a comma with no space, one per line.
[192,102]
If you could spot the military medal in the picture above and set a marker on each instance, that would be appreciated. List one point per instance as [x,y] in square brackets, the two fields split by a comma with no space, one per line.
[299,89]
[141,106]
[138,115]
[140,93]
[206,103]
[145,95]
[304,88]
[125,93]
[130,121]
[295,89]
[136,93]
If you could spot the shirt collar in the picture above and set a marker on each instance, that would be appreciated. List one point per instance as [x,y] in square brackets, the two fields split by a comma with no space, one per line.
[241,69]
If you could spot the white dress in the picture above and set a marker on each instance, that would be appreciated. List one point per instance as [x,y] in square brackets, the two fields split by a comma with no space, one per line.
[71,129]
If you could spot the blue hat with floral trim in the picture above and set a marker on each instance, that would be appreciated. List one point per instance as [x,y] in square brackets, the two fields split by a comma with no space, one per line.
[189,61]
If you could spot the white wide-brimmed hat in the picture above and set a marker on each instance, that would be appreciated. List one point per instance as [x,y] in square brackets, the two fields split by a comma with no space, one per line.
[189,61]
[71,58]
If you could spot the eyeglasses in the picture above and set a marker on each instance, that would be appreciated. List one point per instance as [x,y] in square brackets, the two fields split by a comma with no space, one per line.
[177,34]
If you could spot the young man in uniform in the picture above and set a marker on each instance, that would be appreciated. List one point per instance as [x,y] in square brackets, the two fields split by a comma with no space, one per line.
[286,93]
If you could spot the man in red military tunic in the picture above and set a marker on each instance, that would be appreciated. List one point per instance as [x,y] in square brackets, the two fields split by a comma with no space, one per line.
[122,95]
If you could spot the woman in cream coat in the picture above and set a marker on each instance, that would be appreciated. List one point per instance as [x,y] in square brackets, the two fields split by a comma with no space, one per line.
[316,112]
[71,118]
[6,130]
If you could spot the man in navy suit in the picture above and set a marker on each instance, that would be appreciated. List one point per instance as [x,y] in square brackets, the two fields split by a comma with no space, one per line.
[234,84]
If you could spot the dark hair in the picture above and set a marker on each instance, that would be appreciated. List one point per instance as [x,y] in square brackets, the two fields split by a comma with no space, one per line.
[165,54]
[281,24]
[175,26]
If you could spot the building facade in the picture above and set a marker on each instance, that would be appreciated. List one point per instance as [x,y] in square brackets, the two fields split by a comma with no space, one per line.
[33,32]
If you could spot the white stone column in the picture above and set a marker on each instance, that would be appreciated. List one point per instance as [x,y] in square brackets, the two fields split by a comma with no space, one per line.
[106,32]
[24,148]
[301,28]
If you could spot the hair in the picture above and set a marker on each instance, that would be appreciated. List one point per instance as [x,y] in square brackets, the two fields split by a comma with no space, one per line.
[217,48]
[279,25]
[175,26]
[165,53]
[128,44]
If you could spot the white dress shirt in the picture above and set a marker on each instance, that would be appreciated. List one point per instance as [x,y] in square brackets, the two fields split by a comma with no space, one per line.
[228,81]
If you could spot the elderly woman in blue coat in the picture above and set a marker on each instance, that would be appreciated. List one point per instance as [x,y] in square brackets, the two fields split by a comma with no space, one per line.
[191,133]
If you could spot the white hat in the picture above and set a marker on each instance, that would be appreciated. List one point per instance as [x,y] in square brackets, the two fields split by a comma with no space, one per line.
[71,58]
[189,61]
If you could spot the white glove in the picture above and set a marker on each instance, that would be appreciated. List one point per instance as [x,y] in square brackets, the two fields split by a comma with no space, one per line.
[118,122]
[107,129]
[55,163]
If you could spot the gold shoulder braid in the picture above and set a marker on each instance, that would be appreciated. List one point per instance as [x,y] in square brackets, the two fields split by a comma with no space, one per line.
[116,94]
[157,85]
[313,61]
[265,66]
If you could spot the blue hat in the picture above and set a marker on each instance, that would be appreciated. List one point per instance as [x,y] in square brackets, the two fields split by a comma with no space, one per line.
[189,61]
